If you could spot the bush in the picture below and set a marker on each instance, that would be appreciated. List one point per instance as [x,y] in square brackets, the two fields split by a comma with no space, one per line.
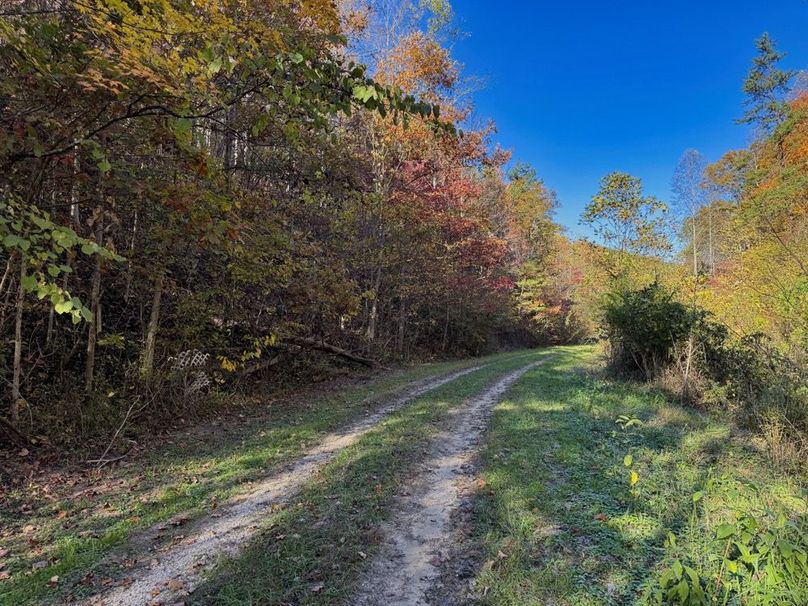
[688,352]
[643,328]
[766,389]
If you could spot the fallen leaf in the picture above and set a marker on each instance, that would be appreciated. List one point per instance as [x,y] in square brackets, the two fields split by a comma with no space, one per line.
[362,555]
[317,587]
[601,517]
[175,585]
[4,575]
[54,580]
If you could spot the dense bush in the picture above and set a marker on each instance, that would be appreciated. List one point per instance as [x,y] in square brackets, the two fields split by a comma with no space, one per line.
[643,327]
[654,336]
[765,388]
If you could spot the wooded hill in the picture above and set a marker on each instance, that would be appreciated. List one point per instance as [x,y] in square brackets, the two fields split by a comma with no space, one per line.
[196,192]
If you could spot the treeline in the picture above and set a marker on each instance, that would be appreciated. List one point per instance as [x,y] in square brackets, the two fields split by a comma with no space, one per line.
[195,192]
[726,323]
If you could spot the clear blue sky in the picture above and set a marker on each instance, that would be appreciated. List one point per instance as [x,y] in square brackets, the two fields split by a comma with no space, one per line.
[579,89]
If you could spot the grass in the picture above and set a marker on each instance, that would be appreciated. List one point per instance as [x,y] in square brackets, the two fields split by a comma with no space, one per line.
[559,521]
[188,475]
[314,551]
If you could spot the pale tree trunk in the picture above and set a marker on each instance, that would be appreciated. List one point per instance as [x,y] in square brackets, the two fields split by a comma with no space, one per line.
[16,394]
[373,316]
[377,217]
[688,365]
[147,363]
[6,273]
[129,268]
[695,248]
[95,307]
[710,239]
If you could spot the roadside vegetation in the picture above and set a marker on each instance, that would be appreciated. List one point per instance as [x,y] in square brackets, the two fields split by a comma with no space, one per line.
[63,524]
[598,491]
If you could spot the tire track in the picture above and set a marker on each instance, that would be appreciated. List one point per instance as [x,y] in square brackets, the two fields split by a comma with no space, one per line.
[167,573]
[418,534]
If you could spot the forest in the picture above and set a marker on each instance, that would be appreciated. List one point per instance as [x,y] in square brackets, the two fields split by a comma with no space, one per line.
[230,227]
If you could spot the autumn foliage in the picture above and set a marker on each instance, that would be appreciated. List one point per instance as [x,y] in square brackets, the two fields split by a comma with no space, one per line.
[222,177]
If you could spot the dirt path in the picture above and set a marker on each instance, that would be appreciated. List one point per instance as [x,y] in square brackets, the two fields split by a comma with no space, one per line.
[165,571]
[418,535]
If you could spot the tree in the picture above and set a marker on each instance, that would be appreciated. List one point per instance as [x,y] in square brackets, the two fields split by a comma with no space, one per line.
[689,195]
[766,87]
[627,222]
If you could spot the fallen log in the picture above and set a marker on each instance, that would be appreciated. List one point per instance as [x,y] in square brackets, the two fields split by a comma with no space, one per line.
[332,349]
[263,365]
[13,435]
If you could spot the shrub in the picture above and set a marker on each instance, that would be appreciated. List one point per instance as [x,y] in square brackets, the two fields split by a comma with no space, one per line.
[643,327]
[688,352]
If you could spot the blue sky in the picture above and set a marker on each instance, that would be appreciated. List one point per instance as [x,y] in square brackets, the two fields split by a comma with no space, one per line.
[579,89]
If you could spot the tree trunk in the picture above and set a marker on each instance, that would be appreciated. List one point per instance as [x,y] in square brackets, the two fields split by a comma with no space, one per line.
[710,239]
[129,269]
[147,363]
[16,394]
[322,346]
[402,324]
[374,308]
[95,307]
[445,342]
[695,249]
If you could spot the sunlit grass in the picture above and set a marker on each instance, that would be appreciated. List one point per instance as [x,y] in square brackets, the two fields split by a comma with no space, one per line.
[554,459]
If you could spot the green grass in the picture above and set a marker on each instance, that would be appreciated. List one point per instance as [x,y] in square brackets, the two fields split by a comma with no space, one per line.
[189,477]
[559,522]
[313,552]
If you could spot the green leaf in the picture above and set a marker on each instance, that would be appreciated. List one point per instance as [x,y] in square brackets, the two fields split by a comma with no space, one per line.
[11,240]
[683,589]
[785,548]
[63,307]
[732,566]
[215,66]
[697,496]
[183,125]
[29,283]
[53,271]
[628,460]
[725,531]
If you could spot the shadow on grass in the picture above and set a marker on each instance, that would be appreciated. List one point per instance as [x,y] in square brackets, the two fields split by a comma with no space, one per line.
[559,517]
[189,478]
